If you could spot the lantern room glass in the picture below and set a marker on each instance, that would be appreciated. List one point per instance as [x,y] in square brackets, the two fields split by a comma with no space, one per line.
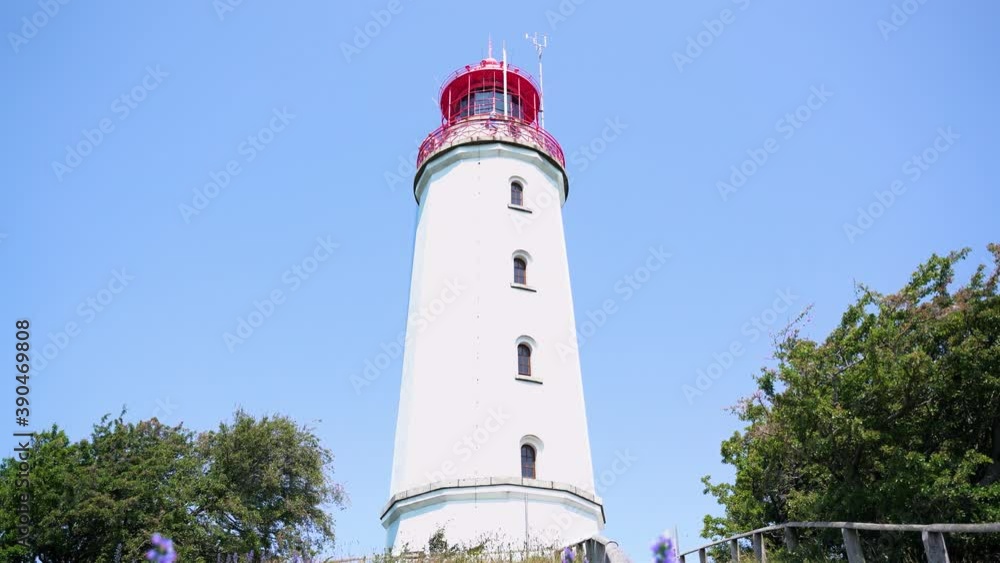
[485,102]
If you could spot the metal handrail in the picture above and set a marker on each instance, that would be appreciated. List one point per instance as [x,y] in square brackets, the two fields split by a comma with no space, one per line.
[932,536]
[469,68]
[492,127]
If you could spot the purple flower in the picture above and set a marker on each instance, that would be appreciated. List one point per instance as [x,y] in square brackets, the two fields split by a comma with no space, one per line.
[567,555]
[664,551]
[163,551]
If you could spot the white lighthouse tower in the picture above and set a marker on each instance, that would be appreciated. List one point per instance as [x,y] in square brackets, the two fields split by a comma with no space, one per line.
[491,440]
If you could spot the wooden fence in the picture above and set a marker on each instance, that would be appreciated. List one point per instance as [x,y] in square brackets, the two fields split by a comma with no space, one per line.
[932,535]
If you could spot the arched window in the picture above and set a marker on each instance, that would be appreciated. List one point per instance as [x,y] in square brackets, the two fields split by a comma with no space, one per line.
[527,462]
[523,359]
[516,194]
[520,271]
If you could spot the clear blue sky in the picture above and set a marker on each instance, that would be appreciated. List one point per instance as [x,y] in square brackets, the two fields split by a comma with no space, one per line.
[158,346]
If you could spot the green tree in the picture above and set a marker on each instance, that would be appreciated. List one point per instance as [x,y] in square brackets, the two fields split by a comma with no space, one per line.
[125,482]
[894,417]
[109,493]
[55,449]
[268,485]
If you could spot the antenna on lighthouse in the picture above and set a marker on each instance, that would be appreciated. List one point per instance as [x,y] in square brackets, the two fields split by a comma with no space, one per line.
[540,47]
[506,105]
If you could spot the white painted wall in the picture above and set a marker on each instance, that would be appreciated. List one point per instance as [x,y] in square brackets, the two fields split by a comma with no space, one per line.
[501,517]
[462,413]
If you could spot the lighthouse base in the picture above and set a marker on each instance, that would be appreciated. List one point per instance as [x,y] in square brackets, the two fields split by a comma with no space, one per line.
[502,514]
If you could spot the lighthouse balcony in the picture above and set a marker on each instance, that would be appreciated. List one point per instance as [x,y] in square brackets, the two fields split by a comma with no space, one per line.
[504,511]
[493,127]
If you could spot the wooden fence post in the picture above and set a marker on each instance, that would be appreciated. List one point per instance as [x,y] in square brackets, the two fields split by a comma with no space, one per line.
[934,547]
[791,542]
[759,551]
[734,551]
[852,545]
[703,555]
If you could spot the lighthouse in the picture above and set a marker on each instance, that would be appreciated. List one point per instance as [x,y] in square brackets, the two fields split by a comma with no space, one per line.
[491,442]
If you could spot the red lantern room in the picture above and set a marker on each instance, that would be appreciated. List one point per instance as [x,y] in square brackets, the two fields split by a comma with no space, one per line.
[490,102]
[479,90]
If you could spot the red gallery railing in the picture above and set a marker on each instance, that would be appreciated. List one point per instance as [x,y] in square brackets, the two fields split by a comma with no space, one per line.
[484,128]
